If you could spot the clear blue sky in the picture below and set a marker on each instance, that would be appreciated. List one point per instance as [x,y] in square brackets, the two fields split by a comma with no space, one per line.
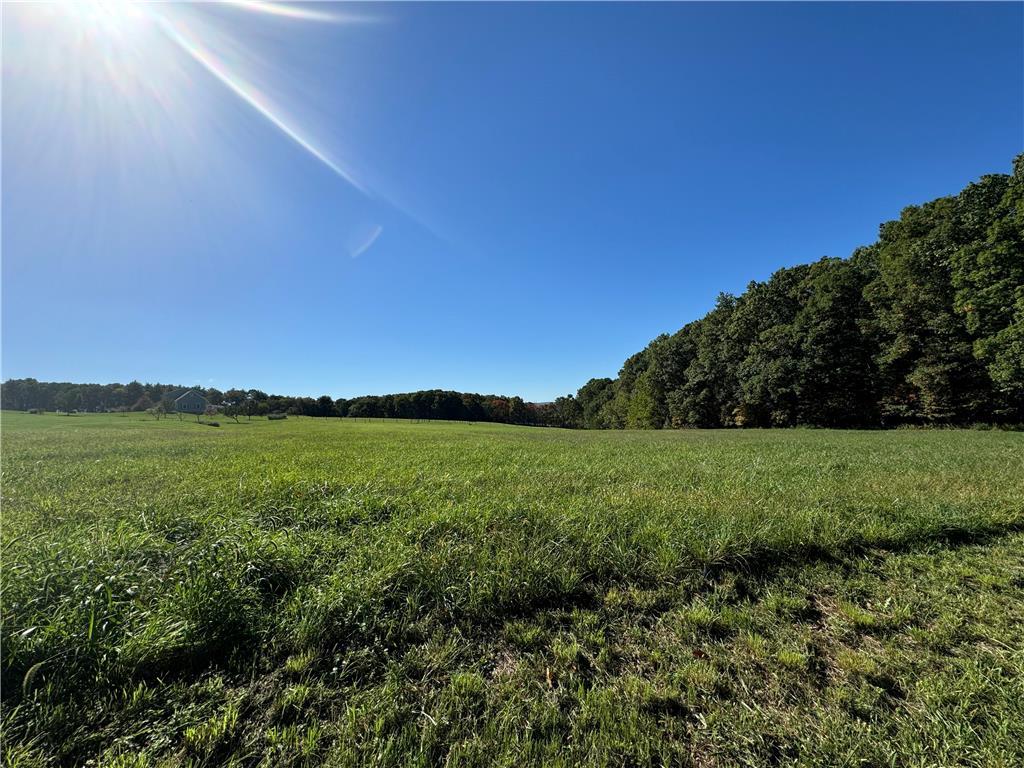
[498,198]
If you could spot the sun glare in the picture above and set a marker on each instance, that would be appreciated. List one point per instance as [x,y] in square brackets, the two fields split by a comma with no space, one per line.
[116,18]
[128,60]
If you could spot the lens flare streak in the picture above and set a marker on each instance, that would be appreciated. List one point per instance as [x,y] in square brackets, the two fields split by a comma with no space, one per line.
[251,95]
[286,10]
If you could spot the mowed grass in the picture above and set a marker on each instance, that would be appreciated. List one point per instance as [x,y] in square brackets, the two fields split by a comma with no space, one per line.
[335,593]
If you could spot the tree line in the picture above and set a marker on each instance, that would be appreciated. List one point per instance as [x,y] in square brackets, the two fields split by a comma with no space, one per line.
[29,394]
[924,326]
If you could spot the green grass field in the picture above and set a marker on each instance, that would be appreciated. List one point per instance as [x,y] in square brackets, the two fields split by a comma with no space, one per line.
[331,593]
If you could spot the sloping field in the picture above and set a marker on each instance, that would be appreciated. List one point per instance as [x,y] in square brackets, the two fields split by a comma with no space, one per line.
[325,592]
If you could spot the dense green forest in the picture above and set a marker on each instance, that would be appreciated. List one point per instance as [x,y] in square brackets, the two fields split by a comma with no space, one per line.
[925,326]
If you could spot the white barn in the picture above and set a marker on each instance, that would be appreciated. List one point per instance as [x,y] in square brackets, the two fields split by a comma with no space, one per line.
[191,402]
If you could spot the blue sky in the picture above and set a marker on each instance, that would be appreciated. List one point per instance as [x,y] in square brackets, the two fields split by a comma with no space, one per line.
[504,198]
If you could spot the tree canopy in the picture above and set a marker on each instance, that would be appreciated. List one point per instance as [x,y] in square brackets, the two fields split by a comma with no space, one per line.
[925,326]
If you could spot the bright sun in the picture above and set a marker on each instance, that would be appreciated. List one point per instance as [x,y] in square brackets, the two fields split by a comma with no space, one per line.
[117,18]
[125,68]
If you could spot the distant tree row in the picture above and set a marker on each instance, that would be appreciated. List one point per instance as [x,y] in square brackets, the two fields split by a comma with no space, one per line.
[441,404]
[26,394]
[926,326]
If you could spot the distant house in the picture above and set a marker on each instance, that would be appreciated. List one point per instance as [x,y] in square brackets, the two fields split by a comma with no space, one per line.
[190,402]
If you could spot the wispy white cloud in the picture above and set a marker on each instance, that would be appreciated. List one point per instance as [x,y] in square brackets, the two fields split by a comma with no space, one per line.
[367,242]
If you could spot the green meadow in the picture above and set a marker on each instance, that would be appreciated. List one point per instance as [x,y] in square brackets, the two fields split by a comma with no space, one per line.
[328,592]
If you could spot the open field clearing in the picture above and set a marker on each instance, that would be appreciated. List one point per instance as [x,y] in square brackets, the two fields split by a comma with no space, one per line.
[328,592]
